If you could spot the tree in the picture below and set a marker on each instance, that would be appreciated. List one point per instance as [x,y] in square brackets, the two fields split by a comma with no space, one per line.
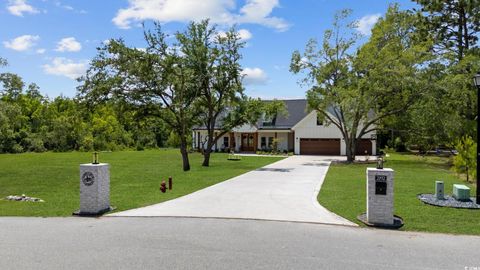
[156,82]
[465,161]
[447,109]
[357,90]
[214,60]
[454,24]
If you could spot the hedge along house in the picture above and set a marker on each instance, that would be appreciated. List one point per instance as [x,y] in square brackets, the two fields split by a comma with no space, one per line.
[300,132]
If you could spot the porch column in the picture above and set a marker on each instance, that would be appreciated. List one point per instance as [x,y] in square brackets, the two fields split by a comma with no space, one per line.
[255,142]
[232,141]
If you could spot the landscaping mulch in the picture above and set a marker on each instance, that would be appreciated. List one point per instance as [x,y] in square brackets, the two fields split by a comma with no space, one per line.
[449,201]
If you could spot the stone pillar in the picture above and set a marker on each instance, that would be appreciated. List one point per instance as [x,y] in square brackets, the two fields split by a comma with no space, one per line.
[94,189]
[380,196]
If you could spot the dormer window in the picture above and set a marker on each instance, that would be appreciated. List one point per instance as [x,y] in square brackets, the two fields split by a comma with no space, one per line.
[268,121]
[319,120]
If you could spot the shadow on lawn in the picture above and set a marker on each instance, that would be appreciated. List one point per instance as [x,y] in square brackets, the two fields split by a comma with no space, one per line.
[274,169]
[317,164]
[432,161]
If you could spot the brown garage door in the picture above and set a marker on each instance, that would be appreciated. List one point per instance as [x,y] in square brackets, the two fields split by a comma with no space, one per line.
[364,145]
[319,146]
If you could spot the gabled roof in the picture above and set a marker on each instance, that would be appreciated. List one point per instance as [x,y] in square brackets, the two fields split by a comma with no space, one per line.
[296,108]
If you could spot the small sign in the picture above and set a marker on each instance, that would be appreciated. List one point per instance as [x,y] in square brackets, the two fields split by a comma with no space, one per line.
[380,178]
[88,178]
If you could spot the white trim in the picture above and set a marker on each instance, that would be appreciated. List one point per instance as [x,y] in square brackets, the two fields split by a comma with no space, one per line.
[274,130]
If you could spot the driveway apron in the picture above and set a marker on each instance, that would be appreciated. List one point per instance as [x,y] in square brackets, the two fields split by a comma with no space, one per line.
[285,191]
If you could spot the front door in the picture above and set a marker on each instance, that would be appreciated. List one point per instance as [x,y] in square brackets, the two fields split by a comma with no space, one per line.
[247,142]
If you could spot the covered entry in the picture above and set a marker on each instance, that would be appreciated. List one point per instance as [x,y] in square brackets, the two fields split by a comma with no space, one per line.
[319,146]
[248,142]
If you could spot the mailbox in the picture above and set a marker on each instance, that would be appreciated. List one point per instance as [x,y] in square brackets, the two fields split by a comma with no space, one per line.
[380,196]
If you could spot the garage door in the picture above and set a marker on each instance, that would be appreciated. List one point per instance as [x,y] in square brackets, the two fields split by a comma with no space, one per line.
[320,146]
[364,145]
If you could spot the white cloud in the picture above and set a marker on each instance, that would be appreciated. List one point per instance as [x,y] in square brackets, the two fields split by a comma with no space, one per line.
[21,43]
[254,76]
[258,11]
[243,34]
[219,11]
[41,51]
[365,24]
[65,67]
[18,7]
[68,44]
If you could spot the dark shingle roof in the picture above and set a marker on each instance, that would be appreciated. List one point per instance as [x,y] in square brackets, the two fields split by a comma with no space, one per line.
[297,110]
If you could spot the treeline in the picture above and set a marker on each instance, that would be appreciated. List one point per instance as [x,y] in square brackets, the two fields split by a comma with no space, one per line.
[32,122]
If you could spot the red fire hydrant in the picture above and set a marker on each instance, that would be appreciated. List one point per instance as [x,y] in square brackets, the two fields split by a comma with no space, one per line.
[163,187]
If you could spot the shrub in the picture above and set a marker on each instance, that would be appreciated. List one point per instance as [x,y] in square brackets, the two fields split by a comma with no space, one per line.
[37,145]
[465,161]
[399,145]
[17,148]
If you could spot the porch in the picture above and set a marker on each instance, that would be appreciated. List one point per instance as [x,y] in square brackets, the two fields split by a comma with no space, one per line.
[248,141]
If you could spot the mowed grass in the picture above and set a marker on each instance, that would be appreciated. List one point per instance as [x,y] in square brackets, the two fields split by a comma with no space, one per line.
[344,192]
[134,178]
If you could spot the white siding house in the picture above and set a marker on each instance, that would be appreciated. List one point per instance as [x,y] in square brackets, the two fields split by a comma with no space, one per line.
[300,132]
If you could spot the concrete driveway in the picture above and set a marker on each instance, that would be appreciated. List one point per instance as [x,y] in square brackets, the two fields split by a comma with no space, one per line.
[285,190]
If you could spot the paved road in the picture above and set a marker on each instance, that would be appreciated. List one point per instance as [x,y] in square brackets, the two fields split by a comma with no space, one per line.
[285,190]
[194,243]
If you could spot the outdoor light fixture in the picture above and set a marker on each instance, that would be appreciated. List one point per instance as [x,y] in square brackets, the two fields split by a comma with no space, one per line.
[95,158]
[476,81]
[380,163]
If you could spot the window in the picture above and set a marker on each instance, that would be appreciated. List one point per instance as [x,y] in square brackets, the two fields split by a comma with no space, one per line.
[263,142]
[268,121]
[319,120]
[225,142]
[270,141]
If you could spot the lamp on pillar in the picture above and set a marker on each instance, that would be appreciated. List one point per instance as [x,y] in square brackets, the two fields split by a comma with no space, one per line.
[476,80]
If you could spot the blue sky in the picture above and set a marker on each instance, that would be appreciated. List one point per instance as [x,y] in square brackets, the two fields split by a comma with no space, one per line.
[50,42]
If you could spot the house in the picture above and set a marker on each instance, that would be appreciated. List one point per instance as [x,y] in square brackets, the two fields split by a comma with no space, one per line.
[301,132]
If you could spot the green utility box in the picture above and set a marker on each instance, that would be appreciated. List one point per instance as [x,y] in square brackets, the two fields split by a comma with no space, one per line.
[461,192]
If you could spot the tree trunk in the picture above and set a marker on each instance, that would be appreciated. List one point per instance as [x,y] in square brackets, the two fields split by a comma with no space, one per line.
[183,150]
[350,149]
[206,154]
[206,159]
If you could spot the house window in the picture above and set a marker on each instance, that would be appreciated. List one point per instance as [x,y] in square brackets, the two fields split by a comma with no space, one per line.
[268,121]
[263,142]
[319,120]
[270,141]
[225,142]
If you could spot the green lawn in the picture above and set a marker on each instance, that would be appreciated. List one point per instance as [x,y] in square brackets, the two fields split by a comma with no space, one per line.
[135,178]
[343,192]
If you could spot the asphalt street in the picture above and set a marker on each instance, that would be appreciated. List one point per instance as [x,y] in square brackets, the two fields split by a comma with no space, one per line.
[199,243]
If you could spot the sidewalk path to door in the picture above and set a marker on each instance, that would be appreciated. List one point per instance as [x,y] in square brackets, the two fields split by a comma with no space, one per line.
[284,191]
